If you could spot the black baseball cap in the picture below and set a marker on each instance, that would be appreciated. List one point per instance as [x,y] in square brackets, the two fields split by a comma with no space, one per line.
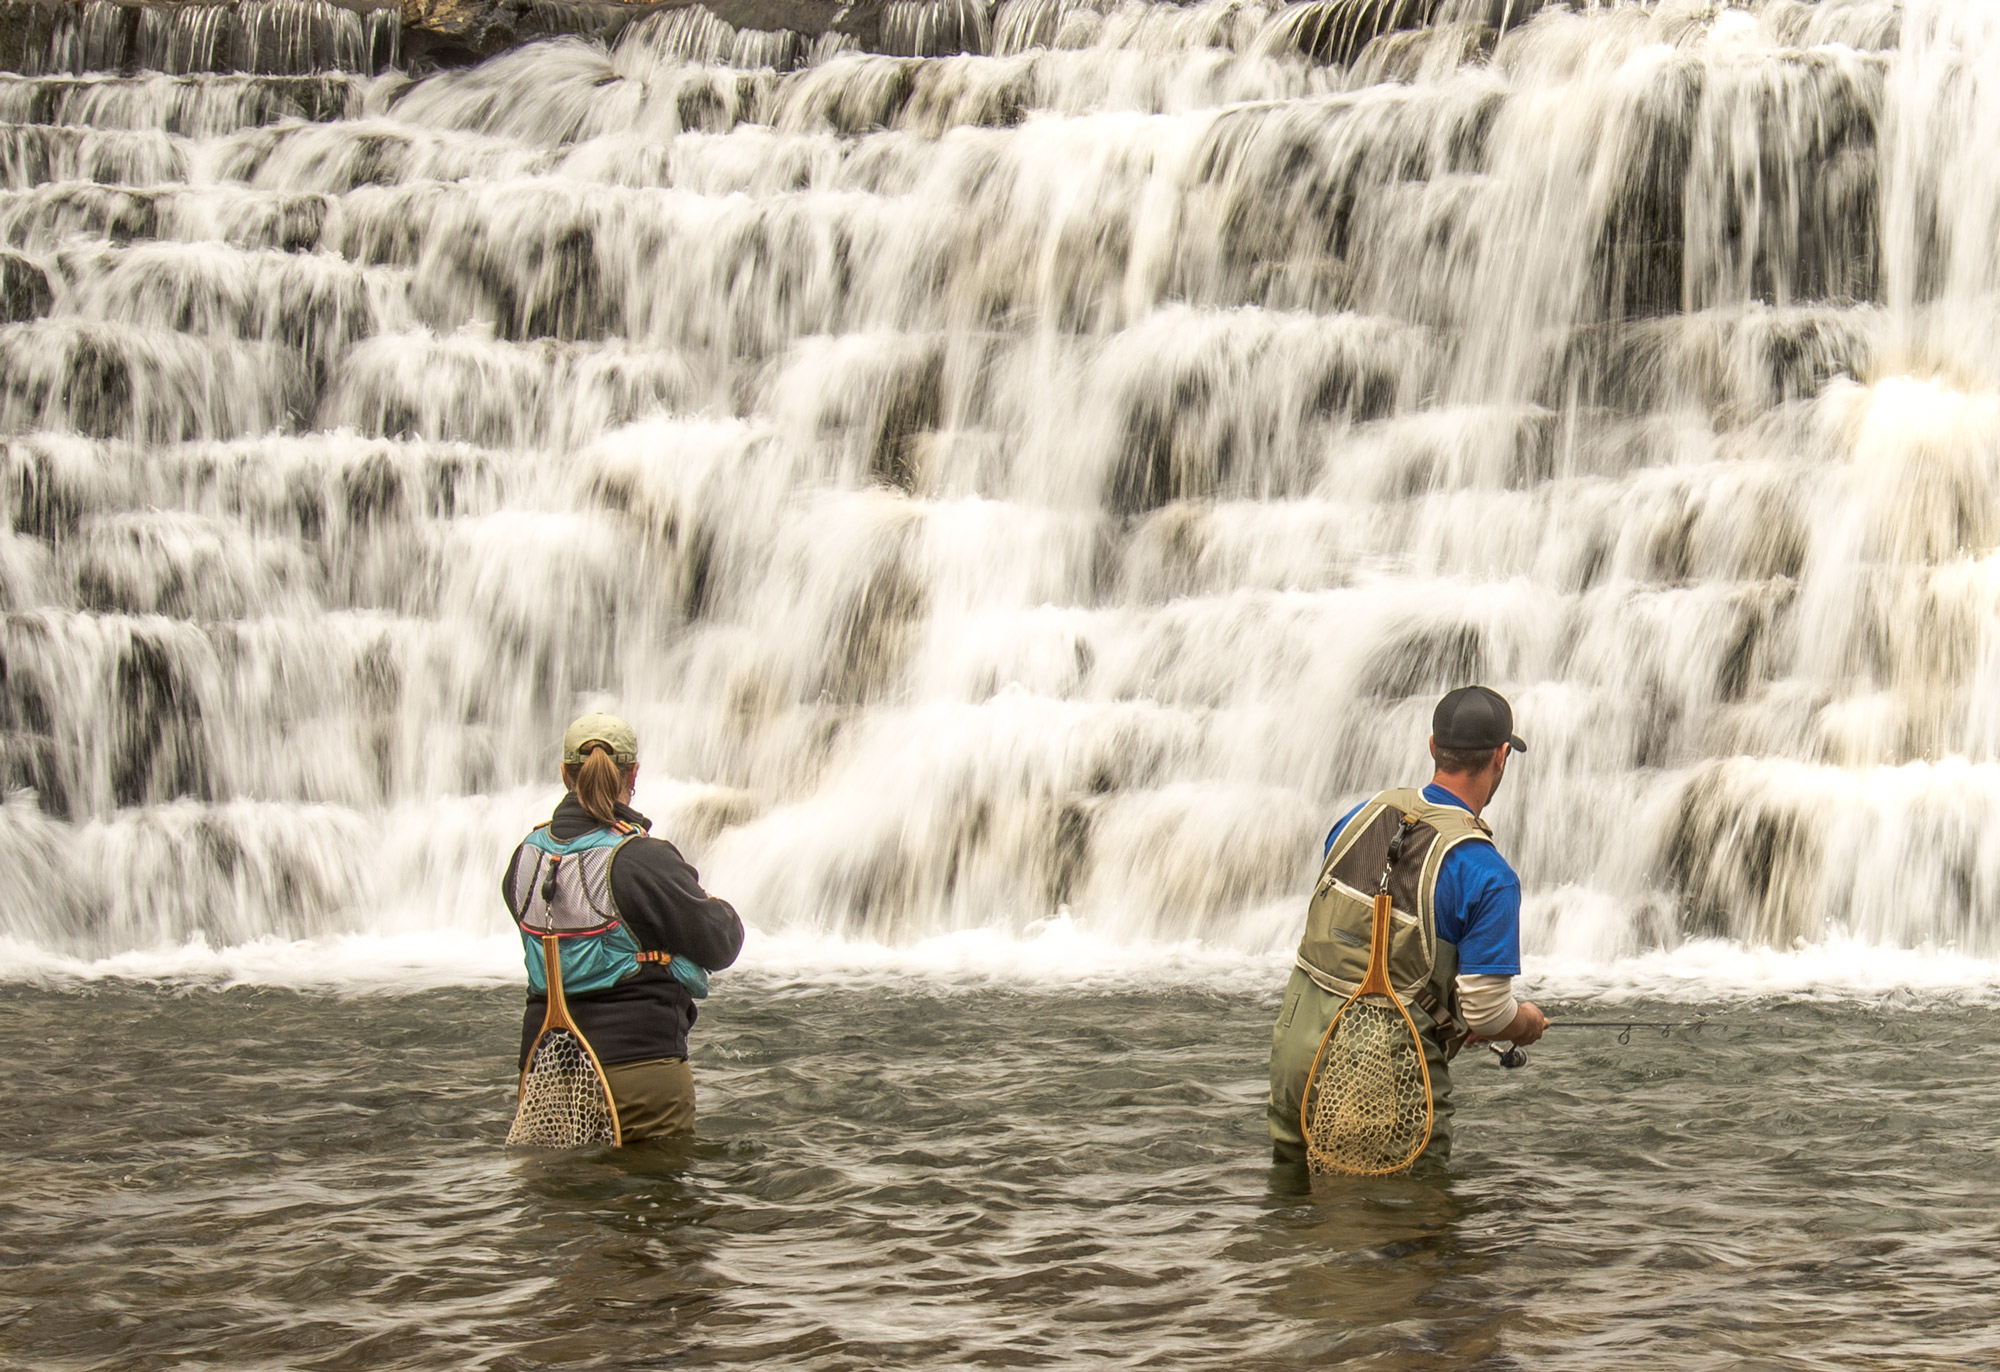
[1473,717]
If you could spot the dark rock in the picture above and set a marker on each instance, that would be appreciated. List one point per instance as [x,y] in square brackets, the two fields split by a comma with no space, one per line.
[24,289]
[28,34]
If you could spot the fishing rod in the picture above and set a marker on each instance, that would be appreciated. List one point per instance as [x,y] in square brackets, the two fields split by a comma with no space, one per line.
[1511,1056]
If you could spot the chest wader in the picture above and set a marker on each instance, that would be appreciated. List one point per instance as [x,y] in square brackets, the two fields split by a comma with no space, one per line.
[1333,955]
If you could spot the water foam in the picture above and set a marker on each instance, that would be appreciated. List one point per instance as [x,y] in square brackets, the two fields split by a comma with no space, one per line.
[1052,957]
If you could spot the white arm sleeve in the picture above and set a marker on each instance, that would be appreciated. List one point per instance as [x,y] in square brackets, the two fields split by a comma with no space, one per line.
[1486,1003]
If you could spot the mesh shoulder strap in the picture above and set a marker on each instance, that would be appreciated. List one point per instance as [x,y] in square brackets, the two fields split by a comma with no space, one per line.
[568,891]
[527,862]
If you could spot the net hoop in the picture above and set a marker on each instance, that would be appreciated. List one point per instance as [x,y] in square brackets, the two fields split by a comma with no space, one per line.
[1318,1160]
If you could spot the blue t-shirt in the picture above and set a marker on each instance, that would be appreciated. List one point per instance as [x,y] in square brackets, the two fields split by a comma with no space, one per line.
[1478,899]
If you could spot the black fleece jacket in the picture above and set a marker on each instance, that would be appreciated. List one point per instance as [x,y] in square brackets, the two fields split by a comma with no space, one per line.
[660,900]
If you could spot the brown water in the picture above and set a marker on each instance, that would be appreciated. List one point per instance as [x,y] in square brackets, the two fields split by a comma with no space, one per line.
[912,1176]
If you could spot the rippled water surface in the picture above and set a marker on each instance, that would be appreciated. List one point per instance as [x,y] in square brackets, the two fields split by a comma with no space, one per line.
[924,1176]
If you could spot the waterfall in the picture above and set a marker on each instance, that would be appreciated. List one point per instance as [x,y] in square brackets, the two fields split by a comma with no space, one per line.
[1042,483]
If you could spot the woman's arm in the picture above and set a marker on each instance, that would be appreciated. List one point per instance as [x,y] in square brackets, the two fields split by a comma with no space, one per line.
[660,899]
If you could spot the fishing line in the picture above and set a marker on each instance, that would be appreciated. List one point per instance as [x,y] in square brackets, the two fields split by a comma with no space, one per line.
[1513,1057]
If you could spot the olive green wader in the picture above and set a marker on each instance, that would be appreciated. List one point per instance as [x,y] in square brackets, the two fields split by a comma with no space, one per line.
[654,1098]
[1333,955]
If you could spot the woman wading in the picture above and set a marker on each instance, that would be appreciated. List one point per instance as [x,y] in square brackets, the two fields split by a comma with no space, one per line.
[647,934]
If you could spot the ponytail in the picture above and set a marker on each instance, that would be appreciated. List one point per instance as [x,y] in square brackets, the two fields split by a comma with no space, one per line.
[598,782]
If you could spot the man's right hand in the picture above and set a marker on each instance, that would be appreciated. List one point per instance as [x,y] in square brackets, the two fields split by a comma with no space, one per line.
[1527,1026]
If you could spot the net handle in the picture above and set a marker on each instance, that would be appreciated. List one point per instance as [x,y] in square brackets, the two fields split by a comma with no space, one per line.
[1376,983]
[558,1015]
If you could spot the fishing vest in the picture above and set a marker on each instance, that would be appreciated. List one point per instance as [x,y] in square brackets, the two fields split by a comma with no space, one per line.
[565,889]
[1340,921]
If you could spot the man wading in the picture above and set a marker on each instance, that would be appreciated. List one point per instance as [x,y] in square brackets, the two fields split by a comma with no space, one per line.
[628,992]
[1455,948]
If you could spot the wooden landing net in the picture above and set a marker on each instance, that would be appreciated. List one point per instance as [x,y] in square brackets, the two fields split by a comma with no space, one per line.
[1367,1106]
[565,1101]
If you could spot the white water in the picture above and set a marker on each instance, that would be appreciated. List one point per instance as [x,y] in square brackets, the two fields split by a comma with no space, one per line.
[1020,499]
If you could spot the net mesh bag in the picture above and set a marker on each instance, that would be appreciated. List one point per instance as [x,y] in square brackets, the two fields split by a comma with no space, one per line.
[1368,1102]
[563,1100]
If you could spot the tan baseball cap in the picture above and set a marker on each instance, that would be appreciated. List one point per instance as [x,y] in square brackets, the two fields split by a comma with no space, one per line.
[601,728]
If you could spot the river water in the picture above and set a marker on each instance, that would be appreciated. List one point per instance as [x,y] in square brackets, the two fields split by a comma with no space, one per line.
[964,1175]
[1021,497]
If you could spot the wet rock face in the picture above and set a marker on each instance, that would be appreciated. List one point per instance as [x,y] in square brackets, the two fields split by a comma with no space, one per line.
[457,32]
[265,37]
[442,33]
[27,32]
[299,37]
[295,37]
[24,289]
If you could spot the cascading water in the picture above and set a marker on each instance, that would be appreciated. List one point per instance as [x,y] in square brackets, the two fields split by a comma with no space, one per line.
[1052,481]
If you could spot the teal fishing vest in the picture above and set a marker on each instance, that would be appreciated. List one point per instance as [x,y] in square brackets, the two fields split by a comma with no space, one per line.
[1340,921]
[565,889]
